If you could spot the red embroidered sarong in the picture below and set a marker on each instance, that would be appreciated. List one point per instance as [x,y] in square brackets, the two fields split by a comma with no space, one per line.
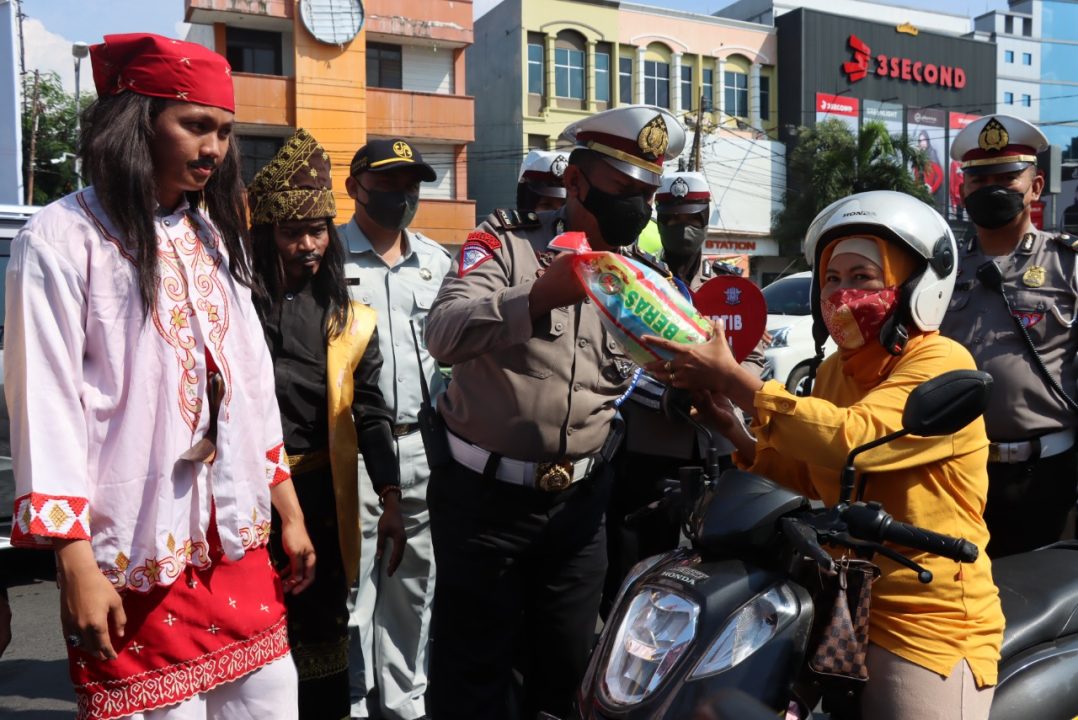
[210,626]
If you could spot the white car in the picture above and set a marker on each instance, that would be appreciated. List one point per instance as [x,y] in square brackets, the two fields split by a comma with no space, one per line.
[12,217]
[789,320]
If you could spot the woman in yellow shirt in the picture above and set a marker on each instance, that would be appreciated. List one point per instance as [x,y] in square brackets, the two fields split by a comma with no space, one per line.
[884,269]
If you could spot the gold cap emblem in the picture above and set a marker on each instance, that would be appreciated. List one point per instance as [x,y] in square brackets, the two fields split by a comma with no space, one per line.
[402,149]
[654,138]
[993,136]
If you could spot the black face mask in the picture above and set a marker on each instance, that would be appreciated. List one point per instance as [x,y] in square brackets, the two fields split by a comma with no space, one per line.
[993,206]
[391,209]
[682,241]
[621,218]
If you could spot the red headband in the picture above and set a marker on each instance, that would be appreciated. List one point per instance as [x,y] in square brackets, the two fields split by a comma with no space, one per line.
[157,66]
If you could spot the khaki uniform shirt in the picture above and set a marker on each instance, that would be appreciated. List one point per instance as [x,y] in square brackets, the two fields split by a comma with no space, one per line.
[1039,279]
[536,392]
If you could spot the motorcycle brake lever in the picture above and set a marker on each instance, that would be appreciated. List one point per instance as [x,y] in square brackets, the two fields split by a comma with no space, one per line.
[847,540]
[804,539]
[637,515]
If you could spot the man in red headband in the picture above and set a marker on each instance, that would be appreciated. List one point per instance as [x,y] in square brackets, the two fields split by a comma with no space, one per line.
[145,431]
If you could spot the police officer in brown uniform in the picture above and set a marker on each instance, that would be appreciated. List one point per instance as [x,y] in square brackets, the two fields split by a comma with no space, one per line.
[539,187]
[1016,281]
[682,211]
[517,513]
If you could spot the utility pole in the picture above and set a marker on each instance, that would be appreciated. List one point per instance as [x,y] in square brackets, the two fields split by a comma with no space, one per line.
[20,15]
[694,164]
[33,143]
[699,131]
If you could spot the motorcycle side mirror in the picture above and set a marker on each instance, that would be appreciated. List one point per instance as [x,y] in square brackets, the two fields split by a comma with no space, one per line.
[940,406]
[946,404]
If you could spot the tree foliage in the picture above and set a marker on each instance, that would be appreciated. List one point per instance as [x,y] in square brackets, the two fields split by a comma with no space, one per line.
[56,140]
[830,162]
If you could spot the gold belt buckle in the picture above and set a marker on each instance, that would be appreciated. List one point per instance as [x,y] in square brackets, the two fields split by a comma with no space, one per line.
[554,476]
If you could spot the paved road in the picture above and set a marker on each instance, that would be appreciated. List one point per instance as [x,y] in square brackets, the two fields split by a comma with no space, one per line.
[34,684]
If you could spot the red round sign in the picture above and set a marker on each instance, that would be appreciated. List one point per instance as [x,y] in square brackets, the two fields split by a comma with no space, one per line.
[740,305]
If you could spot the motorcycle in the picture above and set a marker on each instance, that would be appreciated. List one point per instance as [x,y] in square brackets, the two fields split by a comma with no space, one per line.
[732,617]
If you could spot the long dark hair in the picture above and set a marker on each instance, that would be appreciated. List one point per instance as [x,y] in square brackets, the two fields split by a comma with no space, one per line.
[115,146]
[328,284]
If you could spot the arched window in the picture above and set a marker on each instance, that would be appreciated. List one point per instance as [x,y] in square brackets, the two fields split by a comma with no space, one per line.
[735,85]
[569,54]
[657,75]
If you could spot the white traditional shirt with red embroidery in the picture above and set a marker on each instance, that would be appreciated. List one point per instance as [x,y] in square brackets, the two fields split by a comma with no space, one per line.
[104,398]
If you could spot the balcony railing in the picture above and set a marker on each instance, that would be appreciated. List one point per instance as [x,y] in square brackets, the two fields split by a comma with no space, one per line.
[447,221]
[420,116]
[265,99]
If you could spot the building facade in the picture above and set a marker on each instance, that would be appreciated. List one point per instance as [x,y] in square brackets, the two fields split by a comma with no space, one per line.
[536,67]
[1018,59]
[395,77]
[921,85]
[1037,44]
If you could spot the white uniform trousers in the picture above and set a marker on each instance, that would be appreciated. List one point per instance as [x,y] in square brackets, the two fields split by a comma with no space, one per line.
[389,626]
[269,692]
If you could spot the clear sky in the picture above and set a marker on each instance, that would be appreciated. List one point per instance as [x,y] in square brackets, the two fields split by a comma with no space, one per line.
[90,20]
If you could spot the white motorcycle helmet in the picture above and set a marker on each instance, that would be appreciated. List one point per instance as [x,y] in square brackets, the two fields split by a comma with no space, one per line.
[904,220]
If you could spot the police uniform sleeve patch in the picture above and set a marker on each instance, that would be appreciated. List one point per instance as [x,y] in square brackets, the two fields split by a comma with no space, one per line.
[483,238]
[477,249]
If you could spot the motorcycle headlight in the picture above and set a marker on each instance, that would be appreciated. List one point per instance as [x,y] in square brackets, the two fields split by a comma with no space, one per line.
[746,631]
[780,338]
[654,633]
[635,573]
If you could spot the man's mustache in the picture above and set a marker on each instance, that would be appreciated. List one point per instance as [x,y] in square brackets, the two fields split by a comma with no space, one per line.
[204,164]
[307,257]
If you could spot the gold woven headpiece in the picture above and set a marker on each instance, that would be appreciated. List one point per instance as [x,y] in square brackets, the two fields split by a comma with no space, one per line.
[295,185]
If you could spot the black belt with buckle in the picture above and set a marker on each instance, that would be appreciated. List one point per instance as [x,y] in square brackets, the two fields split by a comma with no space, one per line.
[405,429]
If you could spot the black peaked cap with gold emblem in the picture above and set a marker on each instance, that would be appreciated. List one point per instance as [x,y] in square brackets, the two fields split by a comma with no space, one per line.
[998,144]
[384,155]
[295,185]
[634,139]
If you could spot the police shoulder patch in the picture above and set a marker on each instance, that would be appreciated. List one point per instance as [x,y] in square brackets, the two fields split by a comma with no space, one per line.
[478,248]
[483,238]
[514,220]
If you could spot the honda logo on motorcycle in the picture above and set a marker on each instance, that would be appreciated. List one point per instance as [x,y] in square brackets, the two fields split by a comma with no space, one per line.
[899,68]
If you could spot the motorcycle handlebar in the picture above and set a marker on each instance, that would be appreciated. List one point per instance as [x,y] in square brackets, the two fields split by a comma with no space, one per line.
[871,523]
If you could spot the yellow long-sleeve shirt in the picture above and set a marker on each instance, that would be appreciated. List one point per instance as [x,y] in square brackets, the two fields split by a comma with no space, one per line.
[938,483]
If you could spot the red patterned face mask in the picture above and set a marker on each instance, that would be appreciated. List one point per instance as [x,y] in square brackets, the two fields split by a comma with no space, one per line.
[853,317]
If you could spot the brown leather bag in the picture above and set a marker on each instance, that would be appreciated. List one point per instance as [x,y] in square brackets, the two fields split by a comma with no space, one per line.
[841,631]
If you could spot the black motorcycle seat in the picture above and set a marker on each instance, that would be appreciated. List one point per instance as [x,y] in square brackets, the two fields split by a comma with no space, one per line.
[1039,593]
